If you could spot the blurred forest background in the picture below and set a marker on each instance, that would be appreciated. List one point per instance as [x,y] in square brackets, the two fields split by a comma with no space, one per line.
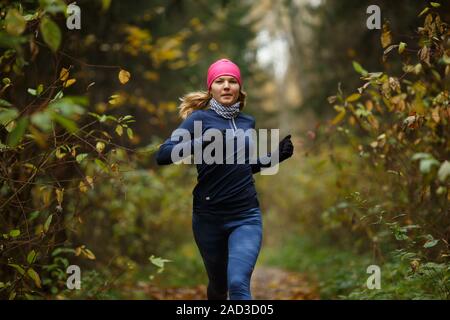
[83,111]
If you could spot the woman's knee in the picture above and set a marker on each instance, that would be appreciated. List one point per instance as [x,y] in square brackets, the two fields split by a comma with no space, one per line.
[238,283]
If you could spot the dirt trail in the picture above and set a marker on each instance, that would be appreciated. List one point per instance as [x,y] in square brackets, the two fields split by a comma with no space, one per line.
[268,283]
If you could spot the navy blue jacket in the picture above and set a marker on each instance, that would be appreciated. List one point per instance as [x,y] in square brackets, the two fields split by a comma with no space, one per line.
[221,188]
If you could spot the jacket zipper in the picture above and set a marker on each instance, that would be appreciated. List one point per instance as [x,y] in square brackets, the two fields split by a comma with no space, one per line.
[233,126]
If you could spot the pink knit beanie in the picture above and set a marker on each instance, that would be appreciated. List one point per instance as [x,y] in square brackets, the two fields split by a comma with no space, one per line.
[223,67]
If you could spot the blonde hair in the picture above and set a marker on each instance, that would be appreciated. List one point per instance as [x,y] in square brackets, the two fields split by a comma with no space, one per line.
[199,100]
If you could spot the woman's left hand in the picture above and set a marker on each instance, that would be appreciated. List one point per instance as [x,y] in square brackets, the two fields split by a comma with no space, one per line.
[286,148]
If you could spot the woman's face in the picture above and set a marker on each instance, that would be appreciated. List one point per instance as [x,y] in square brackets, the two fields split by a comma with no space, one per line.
[225,89]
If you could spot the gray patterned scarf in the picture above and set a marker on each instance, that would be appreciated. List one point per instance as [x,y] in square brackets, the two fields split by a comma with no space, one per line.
[227,112]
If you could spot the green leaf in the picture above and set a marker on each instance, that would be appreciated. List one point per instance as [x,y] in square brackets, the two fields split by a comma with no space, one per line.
[130,133]
[102,165]
[70,125]
[426,164]
[50,33]
[444,171]
[69,106]
[29,17]
[17,267]
[62,250]
[31,257]
[159,262]
[47,223]
[435,4]
[39,89]
[42,120]
[81,157]
[34,215]
[15,23]
[7,115]
[358,68]
[4,103]
[431,243]
[400,236]
[53,6]
[127,117]
[14,233]
[421,155]
[32,91]
[12,295]
[58,96]
[15,136]
[10,41]
[423,11]
[401,47]
[35,276]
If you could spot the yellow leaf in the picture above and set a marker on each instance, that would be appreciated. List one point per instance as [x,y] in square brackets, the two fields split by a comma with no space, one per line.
[115,167]
[338,118]
[15,22]
[212,46]
[59,154]
[401,47]
[59,195]
[47,223]
[151,75]
[35,276]
[386,38]
[100,146]
[46,194]
[90,181]
[119,130]
[64,74]
[435,114]
[88,253]
[82,187]
[353,97]
[114,99]
[69,82]
[124,76]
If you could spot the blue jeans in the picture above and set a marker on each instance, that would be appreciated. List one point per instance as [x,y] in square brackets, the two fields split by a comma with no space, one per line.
[229,246]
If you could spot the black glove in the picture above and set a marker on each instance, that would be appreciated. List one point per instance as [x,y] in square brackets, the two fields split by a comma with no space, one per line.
[286,148]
